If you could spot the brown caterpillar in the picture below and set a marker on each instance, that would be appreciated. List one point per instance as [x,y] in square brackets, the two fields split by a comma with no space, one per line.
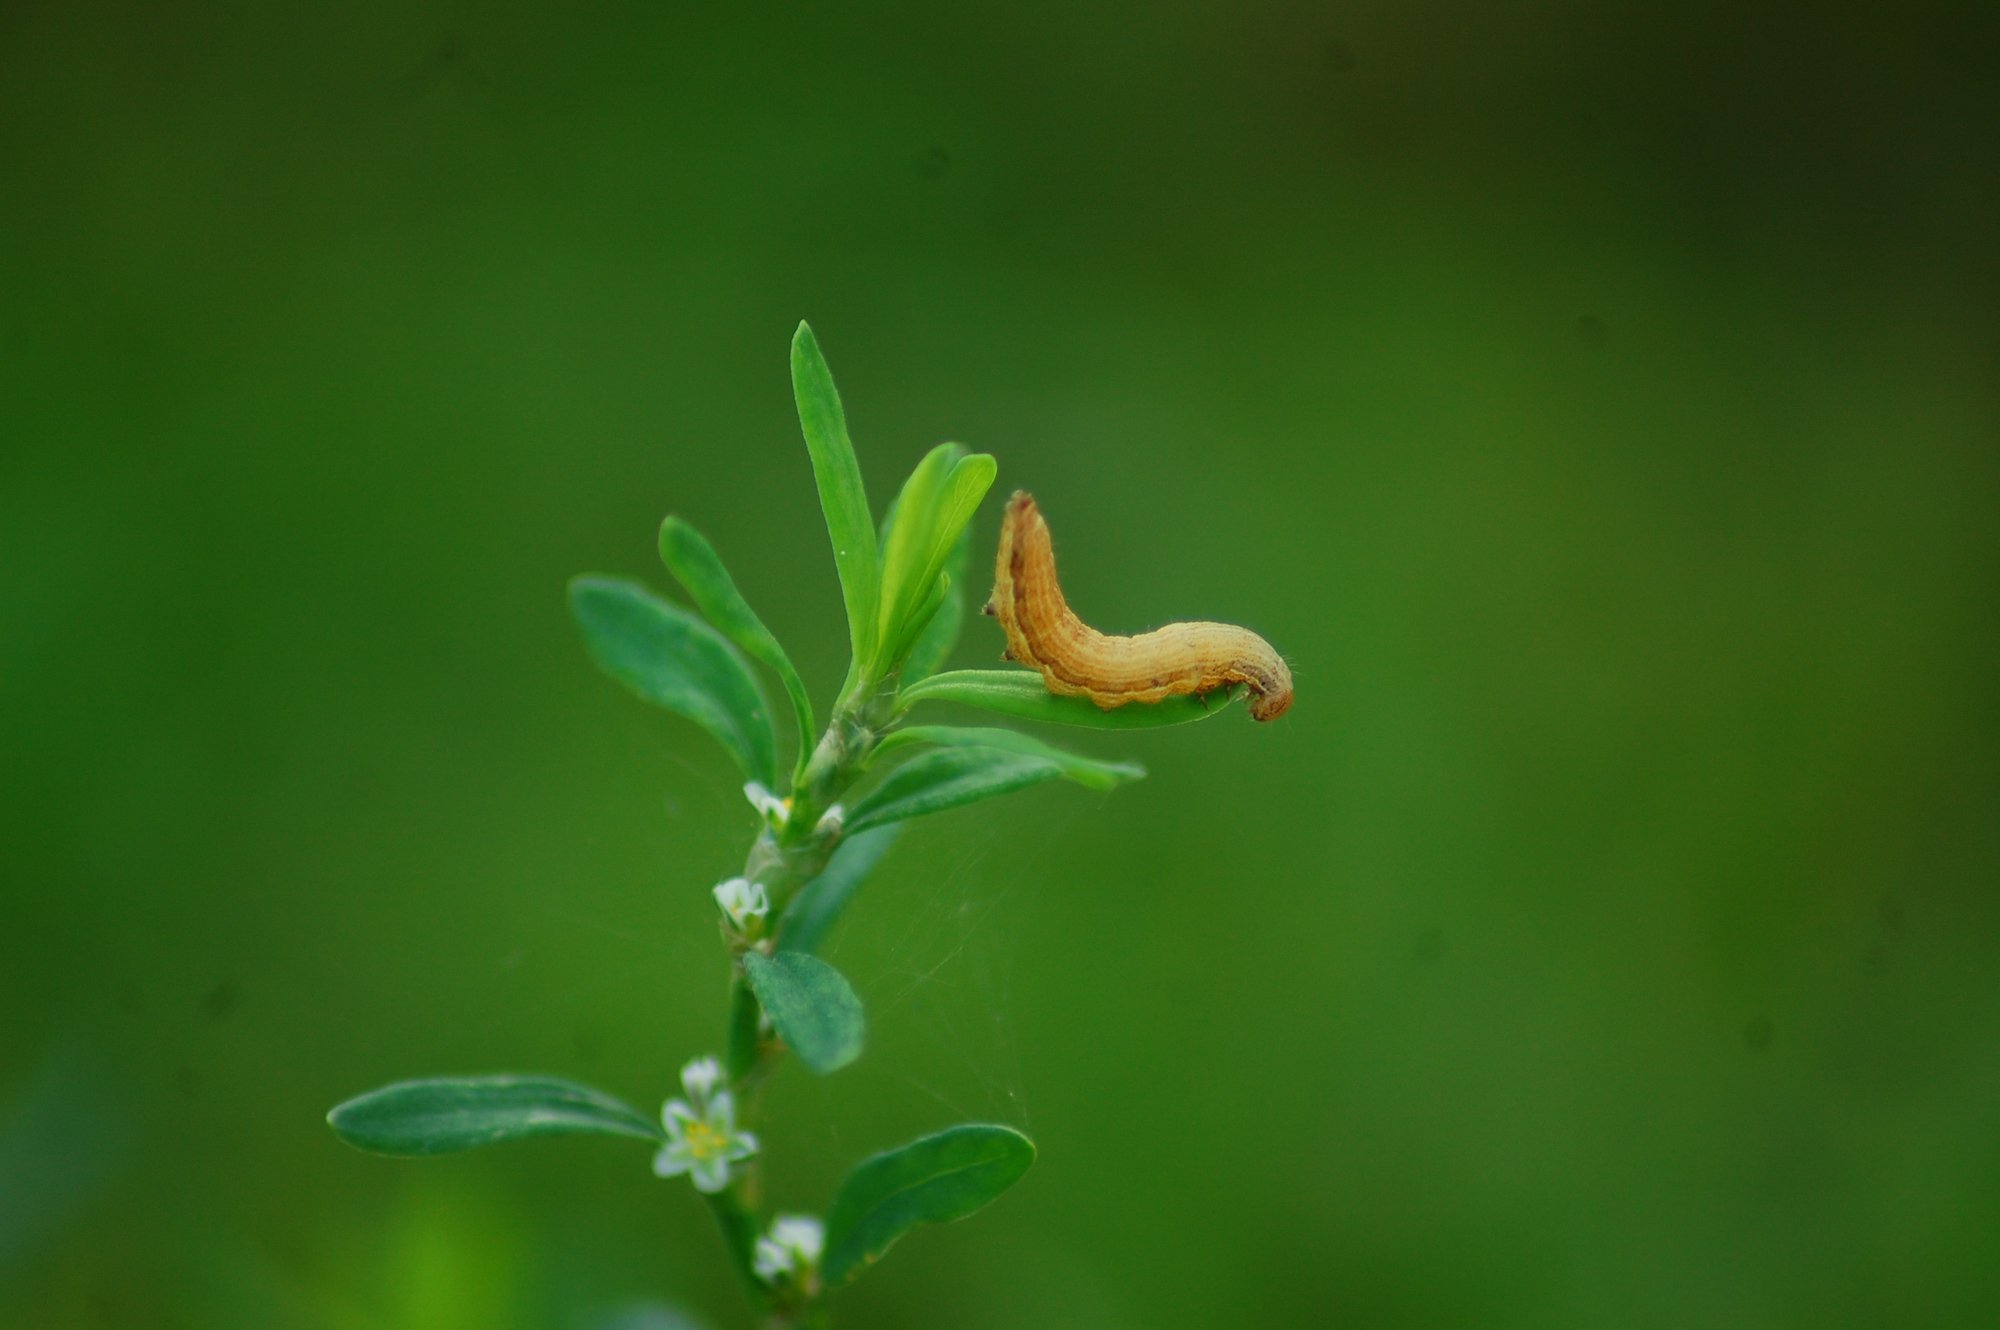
[1077,660]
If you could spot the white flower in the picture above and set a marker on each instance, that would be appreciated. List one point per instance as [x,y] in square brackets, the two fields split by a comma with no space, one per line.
[830,820]
[699,1078]
[792,1249]
[773,809]
[743,901]
[702,1139]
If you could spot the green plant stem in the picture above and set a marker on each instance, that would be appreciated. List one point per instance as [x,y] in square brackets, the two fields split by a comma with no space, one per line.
[856,727]
[743,1040]
[813,1315]
[739,1235]
[782,862]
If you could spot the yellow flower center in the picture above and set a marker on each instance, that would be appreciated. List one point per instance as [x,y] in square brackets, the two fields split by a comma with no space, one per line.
[705,1141]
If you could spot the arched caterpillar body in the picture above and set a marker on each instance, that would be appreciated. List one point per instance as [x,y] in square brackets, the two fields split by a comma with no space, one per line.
[1077,660]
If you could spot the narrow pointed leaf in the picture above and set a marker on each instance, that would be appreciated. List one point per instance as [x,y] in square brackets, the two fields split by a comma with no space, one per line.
[810,1006]
[945,779]
[694,562]
[842,497]
[447,1114]
[930,1181]
[971,477]
[1085,771]
[907,538]
[1022,693]
[913,627]
[674,660]
[819,902]
[888,527]
[934,644]
[933,509]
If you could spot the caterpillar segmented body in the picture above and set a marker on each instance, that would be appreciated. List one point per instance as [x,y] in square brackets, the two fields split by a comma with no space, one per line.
[1076,660]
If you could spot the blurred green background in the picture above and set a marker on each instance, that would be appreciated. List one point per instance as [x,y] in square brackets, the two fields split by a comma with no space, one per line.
[1598,405]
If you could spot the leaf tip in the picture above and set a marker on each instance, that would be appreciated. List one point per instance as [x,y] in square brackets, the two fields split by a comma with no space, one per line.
[583,585]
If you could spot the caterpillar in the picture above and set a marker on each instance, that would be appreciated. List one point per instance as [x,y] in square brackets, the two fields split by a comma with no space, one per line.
[1076,660]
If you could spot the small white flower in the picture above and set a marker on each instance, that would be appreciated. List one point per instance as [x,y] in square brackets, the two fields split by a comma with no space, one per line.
[773,809]
[792,1248]
[699,1078]
[702,1140]
[803,1234]
[830,820]
[771,1261]
[743,901]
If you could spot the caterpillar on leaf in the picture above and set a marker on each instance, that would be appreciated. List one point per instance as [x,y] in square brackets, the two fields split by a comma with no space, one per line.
[1076,660]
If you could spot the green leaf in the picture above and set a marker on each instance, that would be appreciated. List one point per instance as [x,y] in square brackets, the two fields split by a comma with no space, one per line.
[842,497]
[1022,693]
[820,901]
[888,527]
[933,508]
[921,617]
[810,1006]
[940,635]
[674,660]
[946,779]
[1085,771]
[448,1114]
[693,561]
[906,540]
[930,1181]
